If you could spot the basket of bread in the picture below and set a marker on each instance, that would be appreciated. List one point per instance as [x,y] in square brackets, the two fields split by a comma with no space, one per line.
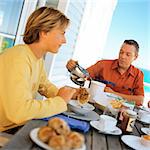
[57,135]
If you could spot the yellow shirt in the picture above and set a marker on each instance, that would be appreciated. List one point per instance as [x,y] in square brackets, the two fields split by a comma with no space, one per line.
[21,73]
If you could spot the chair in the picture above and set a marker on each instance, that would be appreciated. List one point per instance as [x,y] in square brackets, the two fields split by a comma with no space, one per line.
[4,136]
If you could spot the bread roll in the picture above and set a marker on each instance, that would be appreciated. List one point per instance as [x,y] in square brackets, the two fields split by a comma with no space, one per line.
[57,142]
[45,133]
[75,140]
[59,125]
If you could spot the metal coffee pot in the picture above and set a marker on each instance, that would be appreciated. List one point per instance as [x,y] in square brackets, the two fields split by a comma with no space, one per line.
[79,75]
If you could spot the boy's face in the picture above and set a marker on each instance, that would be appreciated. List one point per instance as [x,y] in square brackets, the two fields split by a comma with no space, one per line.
[54,39]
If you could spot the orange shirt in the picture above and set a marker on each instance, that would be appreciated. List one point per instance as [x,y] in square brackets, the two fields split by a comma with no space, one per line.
[131,82]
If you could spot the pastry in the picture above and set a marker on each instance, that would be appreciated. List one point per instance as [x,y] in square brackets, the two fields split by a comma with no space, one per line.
[75,140]
[45,133]
[59,125]
[57,142]
[83,96]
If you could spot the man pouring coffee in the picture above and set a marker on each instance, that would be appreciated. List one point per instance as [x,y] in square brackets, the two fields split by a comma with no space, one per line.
[119,75]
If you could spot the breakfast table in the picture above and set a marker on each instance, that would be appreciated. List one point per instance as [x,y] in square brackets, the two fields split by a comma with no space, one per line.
[93,139]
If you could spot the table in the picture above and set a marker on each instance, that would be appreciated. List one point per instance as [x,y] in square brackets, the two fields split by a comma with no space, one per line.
[93,139]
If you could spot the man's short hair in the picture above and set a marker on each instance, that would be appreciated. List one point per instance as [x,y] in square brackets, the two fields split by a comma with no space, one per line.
[134,43]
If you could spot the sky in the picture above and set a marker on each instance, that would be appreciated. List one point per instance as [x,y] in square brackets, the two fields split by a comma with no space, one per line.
[131,20]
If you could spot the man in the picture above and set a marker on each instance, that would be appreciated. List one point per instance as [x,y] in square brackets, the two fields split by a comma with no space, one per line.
[120,77]
[23,75]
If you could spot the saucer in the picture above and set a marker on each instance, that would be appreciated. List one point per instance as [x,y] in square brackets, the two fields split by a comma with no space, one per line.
[115,131]
[134,142]
[146,130]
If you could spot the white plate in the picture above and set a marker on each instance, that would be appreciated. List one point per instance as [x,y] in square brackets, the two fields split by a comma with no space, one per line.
[143,121]
[134,142]
[145,108]
[85,106]
[146,130]
[88,117]
[111,95]
[34,137]
[95,124]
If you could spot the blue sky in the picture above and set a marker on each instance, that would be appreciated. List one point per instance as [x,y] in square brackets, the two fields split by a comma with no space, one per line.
[131,20]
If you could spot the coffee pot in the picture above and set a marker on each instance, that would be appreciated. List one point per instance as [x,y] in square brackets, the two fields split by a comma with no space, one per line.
[79,75]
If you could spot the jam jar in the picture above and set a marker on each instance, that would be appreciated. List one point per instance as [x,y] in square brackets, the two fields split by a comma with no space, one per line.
[127,124]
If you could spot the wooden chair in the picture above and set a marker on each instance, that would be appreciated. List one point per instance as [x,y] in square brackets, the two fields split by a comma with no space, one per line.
[4,136]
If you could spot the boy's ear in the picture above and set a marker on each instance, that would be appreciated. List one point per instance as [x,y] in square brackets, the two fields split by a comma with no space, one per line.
[43,34]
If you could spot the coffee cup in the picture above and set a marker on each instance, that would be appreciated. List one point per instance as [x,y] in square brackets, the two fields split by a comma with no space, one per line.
[107,123]
[144,116]
[96,88]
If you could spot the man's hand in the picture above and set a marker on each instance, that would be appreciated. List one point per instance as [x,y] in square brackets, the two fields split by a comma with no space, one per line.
[71,64]
[66,93]
[109,90]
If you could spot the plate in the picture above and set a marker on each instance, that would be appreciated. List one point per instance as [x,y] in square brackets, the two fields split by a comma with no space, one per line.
[111,95]
[116,131]
[34,137]
[146,130]
[145,108]
[143,121]
[76,104]
[134,142]
[92,115]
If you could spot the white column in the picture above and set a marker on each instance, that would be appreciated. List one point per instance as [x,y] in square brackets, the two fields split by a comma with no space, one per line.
[94,30]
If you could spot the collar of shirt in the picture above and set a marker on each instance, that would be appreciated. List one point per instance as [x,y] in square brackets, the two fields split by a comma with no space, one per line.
[130,69]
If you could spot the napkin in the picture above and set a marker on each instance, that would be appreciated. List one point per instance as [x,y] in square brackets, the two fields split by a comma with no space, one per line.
[74,124]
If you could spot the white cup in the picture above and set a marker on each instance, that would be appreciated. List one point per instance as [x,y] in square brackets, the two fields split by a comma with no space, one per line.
[107,123]
[144,116]
[96,88]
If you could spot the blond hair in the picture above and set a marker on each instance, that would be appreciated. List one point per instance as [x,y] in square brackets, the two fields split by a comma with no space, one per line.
[43,19]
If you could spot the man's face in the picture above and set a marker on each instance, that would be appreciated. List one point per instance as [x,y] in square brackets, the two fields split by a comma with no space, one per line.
[127,55]
[54,39]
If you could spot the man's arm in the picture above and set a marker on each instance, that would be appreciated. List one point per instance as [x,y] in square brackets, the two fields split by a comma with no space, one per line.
[138,99]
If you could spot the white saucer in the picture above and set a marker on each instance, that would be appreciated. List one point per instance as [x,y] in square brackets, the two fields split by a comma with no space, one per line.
[146,130]
[34,137]
[95,124]
[134,142]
